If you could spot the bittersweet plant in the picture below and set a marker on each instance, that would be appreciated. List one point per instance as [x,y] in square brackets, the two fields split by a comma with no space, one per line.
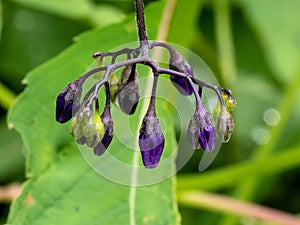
[96,131]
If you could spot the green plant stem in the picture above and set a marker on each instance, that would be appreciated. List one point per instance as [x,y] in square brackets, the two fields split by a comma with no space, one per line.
[249,186]
[216,202]
[225,42]
[231,175]
[7,97]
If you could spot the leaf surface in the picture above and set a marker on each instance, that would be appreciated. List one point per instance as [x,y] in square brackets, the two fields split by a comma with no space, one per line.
[279,33]
[99,16]
[1,20]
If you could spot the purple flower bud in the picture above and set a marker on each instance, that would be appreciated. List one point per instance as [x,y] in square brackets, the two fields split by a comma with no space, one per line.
[151,141]
[103,145]
[67,101]
[179,64]
[129,93]
[201,131]
[108,131]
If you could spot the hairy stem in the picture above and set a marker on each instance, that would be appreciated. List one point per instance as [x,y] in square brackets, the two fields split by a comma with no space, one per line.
[140,18]
[153,95]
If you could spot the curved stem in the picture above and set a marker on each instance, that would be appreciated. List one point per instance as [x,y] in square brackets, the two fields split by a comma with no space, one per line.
[7,97]
[97,86]
[107,92]
[196,93]
[140,18]
[216,89]
[151,109]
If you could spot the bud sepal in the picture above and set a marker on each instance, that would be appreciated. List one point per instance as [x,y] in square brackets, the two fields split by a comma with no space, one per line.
[201,131]
[68,100]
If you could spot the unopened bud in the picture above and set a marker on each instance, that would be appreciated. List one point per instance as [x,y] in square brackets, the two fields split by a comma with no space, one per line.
[107,122]
[129,93]
[201,131]
[229,101]
[179,64]
[225,125]
[67,101]
[114,86]
[87,127]
[151,141]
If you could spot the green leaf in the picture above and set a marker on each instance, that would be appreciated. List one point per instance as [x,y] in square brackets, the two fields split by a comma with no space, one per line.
[279,33]
[99,16]
[1,20]
[62,188]
[11,158]
[187,22]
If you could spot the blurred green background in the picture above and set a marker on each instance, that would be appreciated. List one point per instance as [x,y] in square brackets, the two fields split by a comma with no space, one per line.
[252,46]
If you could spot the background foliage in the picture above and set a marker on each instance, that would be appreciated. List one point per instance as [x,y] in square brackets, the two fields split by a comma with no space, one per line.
[252,46]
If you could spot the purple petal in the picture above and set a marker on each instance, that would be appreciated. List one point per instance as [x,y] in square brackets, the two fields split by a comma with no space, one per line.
[109,129]
[103,145]
[151,149]
[182,85]
[207,138]
[81,141]
[63,109]
[67,102]
[201,131]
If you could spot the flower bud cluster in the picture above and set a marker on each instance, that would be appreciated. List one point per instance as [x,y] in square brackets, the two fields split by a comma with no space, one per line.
[96,131]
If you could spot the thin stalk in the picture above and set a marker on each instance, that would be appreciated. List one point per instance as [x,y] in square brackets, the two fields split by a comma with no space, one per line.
[140,19]
[232,175]
[145,52]
[220,203]
[7,97]
[107,93]
[199,105]
[153,96]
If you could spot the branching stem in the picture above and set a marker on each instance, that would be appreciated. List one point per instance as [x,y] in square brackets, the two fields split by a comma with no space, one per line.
[140,18]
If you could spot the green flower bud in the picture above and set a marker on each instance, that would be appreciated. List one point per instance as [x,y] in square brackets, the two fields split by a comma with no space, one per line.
[114,87]
[230,102]
[225,125]
[87,127]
